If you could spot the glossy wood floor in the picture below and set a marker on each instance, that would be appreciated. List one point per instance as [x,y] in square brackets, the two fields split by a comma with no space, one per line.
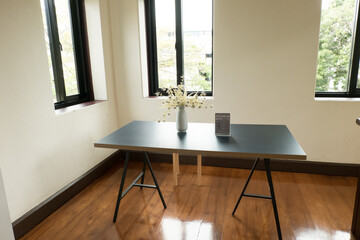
[310,207]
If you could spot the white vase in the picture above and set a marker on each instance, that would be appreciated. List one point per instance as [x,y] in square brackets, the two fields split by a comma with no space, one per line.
[181,119]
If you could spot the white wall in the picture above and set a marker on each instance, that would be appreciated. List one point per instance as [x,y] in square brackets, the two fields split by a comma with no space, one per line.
[41,151]
[265,55]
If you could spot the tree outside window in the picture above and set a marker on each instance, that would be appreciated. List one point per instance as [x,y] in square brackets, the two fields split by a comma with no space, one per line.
[337,70]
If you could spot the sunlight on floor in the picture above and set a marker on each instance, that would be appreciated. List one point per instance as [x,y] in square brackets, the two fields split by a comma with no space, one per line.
[174,229]
[316,234]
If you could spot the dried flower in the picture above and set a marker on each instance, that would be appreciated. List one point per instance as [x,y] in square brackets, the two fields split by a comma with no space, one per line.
[178,96]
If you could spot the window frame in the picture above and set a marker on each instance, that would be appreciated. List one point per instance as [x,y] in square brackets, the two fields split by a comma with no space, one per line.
[352,91]
[151,45]
[81,54]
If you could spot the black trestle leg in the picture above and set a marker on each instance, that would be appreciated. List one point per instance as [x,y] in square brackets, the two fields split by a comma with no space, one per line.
[153,176]
[247,182]
[143,170]
[121,185]
[268,174]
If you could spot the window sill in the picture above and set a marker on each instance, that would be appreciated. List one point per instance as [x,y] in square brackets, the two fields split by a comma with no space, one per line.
[336,99]
[77,107]
[165,97]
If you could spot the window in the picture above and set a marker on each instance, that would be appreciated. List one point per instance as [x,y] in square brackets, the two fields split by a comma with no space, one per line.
[64,28]
[179,43]
[339,48]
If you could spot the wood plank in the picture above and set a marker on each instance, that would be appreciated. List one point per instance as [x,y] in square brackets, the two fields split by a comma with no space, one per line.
[310,207]
[25,223]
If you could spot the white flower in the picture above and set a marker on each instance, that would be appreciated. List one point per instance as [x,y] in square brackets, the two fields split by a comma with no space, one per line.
[177,96]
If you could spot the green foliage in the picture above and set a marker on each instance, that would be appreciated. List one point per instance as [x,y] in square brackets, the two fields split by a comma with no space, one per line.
[166,57]
[67,50]
[197,69]
[335,46]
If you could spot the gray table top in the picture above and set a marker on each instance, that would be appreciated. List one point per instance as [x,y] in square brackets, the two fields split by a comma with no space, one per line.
[246,140]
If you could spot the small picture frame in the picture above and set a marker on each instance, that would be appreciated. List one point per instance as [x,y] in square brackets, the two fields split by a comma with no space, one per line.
[222,124]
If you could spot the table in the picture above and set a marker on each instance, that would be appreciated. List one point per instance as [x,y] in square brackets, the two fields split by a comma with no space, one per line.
[262,142]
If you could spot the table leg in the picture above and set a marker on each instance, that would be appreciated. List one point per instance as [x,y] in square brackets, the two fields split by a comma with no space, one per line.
[246,184]
[154,178]
[121,185]
[143,171]
[174,168]
[268,174]
[198,170]
[272,193]
[177,164]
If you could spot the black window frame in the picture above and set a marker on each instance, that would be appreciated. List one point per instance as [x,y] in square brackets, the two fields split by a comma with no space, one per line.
[352,91]
[151,44]
[81,52]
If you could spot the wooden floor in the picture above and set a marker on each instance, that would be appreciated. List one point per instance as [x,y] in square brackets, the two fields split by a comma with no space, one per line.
[310,207]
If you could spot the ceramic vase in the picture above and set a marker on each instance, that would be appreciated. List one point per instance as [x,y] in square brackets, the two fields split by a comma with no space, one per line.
[181,119]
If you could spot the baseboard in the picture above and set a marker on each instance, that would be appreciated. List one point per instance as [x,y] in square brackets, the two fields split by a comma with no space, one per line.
[25,223]
[298,166]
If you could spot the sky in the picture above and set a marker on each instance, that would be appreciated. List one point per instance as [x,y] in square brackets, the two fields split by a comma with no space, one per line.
[325,4]
[197,14]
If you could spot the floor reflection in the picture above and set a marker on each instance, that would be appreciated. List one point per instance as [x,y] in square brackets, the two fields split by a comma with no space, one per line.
[316,234]
[174,229]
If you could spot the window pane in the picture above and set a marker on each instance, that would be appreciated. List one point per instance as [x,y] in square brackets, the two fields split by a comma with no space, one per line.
[335,41]
[197,28]
[67,49]
[165,34]
[48,49]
